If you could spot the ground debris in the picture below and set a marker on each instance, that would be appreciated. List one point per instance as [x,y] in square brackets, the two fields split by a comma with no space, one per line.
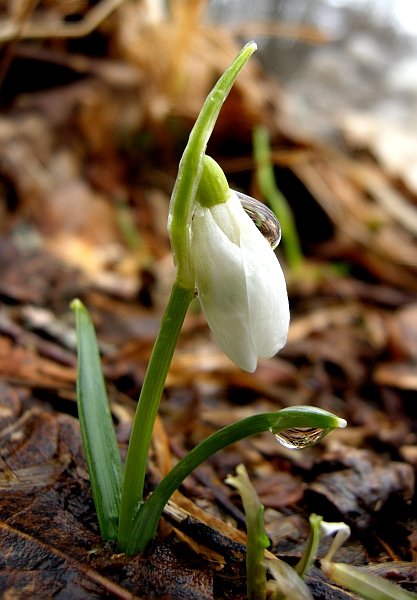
[362,486]
[92,130]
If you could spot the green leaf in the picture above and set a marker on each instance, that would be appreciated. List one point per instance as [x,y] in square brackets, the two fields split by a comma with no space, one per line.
[288,585]
[312,545]
[257,540]
[275,199]
[97,430]
[369,586]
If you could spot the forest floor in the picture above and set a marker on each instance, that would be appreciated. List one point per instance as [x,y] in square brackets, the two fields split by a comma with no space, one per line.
[92,128]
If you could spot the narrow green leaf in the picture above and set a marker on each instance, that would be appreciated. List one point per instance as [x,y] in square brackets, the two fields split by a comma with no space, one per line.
[98,435]
[288,585]
[369,586]
[275,199]
[312,545]
[257,540]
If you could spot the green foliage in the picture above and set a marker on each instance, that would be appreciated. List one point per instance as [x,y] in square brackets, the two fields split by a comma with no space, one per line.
[287,584]
[146,520]
[98,434]
[275,199]
[257,541]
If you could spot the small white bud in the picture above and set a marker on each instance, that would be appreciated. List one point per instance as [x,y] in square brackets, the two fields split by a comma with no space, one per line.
[240,283]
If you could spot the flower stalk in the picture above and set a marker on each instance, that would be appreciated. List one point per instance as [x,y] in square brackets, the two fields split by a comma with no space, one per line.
[191,165]
[148,404]
[179,226]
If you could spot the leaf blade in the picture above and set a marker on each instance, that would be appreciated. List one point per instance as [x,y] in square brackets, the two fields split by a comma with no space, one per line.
[97,430]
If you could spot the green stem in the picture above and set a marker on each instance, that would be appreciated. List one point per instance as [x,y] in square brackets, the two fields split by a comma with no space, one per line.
[148,405]
[256,539]
[146,520]
[181,210]
[274,198]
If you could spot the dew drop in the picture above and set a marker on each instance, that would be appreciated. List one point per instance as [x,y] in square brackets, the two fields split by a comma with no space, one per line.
[264,219]
[296,438]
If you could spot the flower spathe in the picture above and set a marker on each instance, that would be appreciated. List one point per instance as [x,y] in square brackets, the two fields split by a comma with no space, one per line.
[240,283]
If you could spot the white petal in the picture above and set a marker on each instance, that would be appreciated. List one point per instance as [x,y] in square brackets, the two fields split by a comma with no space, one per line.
[267,292]
[269,313]
[240,282]
[221,284]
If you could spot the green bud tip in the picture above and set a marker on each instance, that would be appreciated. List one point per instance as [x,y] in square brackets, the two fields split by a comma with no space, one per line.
[213,187]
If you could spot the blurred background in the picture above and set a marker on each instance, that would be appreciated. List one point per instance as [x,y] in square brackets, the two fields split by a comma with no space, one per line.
[368,63]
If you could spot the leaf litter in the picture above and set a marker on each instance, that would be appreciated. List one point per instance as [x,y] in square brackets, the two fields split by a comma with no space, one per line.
[92,129]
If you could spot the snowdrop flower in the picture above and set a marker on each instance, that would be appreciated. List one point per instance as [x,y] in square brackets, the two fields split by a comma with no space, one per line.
[239,280]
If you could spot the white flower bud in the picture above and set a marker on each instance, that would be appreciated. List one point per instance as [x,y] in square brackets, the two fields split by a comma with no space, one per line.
[240,283]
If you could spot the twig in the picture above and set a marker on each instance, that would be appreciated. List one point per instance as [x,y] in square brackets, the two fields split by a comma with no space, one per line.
[19,22]
[293,31]
[9,29]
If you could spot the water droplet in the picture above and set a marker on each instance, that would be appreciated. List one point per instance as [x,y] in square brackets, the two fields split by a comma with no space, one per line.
[264,219]
[295,438]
